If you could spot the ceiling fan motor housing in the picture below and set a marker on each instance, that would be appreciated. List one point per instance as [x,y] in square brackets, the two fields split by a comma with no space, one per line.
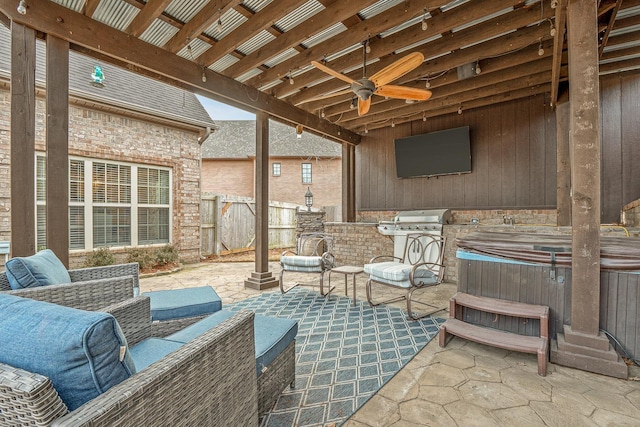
[363,88]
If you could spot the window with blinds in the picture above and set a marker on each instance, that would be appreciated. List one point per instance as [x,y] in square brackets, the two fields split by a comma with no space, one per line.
[105,212]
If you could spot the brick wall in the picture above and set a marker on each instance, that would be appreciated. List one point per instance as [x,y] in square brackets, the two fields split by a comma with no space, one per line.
[228,177]
[631,214]
[109,136]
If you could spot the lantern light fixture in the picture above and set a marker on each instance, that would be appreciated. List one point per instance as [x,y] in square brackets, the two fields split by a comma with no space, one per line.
[308,199]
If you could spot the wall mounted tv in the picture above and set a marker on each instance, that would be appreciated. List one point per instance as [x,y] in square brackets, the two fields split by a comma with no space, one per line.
[444,152]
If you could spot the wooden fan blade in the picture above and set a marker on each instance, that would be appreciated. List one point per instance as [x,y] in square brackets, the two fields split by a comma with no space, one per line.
[403,92]
[329,95]
[363,106]
[397,69]
[331,72]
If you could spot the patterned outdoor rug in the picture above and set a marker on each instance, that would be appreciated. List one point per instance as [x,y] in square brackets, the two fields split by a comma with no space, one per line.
[344,354]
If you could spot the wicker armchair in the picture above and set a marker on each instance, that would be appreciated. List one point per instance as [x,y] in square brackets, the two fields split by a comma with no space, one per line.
[90,288]
[208,381]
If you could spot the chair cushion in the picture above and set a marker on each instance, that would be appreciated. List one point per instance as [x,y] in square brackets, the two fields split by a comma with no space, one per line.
[397,274]
[151,350]
[83,353]
[301,261]
[271,334]
[41,269]
[180,303]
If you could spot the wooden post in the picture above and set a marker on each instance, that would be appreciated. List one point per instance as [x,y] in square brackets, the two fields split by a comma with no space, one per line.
[582,345]
[262,278]
[563,193]
[58,148]
[23,124]
[348,183]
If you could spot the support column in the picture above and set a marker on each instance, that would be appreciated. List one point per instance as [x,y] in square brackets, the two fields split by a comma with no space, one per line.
[348,183]
[58,148]
[23,125]
[582,345]
[563,192]
[262,278]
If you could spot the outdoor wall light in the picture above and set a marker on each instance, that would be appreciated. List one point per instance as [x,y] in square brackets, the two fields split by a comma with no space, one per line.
[308,199]
[97,76]
[299,129]
[22,7]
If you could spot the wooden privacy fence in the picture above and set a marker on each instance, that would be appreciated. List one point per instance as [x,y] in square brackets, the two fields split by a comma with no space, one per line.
[228,224]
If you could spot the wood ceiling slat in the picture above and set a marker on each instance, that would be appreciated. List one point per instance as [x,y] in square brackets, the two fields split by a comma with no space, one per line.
[558,45]
[203,19]
[394,16]
[90,7]
[254,25]
[442,23]
[144,18]
[94,36]
[453,42]
[337,10]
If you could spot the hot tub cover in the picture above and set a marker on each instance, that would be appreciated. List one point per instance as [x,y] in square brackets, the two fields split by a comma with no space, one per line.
[616,253]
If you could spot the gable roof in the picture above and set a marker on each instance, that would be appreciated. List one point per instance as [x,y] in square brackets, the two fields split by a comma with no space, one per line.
[122,89]
[236,139]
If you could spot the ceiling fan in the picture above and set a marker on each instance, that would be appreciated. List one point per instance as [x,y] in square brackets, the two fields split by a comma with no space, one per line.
[365,87]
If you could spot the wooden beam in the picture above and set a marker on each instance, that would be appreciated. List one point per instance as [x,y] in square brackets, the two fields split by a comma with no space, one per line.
[558,46]
[475,103]
[57,138]
[563,160]
[633,36]
[90,7]
[385,48]
[607,31]
[23,125]
[335,10]
[492,28]
[59,21]
[209,14]
[507,86]
[359,32]
[151,10]
[254,25]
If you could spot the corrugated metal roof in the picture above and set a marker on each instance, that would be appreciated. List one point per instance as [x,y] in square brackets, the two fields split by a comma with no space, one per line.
[256,5]
[625,13]
[483,19]
[421,42]
[197,47]
[158,33]
[344,52]
[282,56]
[324,35]
[75,5]
[414,21]
[378,8]
[184,10]
[231,20]
[299,15]
[249,74]
[255,42]
[630,29]
[221,64]
[453,4]
[115,13]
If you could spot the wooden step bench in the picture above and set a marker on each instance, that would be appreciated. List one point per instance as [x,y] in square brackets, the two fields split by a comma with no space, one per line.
[455,325]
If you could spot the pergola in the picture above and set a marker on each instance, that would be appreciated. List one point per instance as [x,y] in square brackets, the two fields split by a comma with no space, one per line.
[256,55]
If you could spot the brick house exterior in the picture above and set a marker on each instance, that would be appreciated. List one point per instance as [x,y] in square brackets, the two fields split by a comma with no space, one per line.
[228,164]
[132,124]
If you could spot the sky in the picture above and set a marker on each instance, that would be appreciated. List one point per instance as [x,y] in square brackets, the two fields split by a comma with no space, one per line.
[220,111]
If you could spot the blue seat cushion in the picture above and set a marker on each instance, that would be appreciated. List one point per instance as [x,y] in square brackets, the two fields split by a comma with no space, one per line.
[151,350]
[271,334]
[181,303]
[397,274]
[83,353]
[41,269]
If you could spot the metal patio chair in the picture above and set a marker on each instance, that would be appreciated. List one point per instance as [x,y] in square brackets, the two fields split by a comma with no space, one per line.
[312,255]
[420,267]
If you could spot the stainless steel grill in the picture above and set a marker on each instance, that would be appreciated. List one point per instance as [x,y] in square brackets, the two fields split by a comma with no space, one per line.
[419,221]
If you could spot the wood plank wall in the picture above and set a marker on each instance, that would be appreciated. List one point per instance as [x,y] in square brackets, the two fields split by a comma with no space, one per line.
[513,149]
[513,158]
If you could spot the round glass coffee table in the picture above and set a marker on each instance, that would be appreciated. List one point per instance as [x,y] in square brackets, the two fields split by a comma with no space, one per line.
[347,270]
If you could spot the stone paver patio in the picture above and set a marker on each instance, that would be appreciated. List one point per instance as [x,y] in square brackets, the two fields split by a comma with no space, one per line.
[463,384]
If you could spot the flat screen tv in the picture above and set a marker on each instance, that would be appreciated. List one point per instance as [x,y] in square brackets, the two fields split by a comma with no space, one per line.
[444,152]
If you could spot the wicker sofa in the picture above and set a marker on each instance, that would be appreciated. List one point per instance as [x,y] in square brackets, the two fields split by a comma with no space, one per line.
[209,381]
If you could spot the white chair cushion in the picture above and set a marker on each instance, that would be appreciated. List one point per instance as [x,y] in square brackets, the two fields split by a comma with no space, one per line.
[301,261]
[397,274]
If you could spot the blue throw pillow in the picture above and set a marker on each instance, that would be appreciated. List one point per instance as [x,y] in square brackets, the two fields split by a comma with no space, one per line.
[41,269]
[83,353]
